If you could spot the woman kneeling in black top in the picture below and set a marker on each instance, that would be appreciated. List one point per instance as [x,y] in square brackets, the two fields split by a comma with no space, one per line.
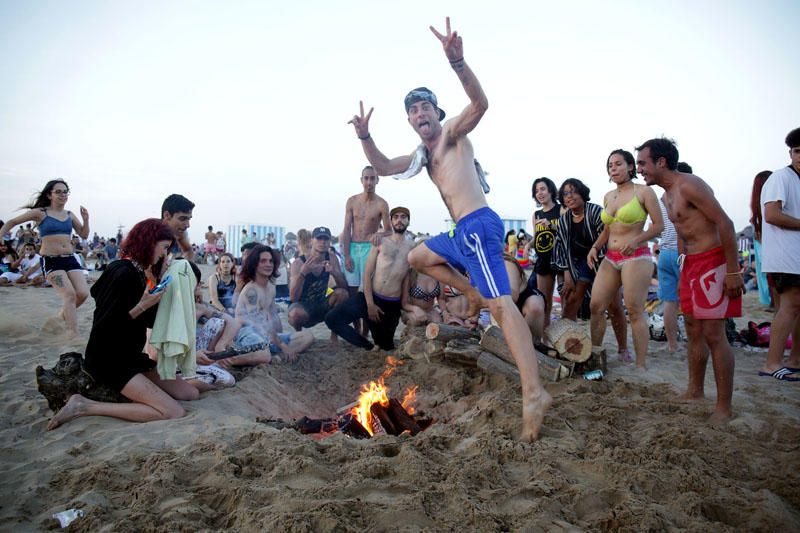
[123,312]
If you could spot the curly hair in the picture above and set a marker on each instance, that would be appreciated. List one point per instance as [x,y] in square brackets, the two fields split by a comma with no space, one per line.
[577,186]
[248,271]
[141,241]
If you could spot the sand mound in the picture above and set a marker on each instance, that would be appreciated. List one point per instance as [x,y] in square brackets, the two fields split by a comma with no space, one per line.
[619,454]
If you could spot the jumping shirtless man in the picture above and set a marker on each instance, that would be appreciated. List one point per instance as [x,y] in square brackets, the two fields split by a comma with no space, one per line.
[363,215]
[477,241]
[711,284]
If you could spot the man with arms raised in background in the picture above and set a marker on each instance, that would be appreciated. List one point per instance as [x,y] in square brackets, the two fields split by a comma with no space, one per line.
[477,241]
[711,285]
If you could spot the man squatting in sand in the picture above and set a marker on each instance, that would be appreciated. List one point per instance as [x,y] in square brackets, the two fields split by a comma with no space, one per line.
[711,284]
[477,241]
[385,282]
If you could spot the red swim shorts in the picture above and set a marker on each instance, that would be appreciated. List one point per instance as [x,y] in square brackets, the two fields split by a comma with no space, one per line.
[702,291]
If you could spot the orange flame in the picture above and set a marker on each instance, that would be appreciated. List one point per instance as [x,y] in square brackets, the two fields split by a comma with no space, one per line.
[409,399]
[378,392]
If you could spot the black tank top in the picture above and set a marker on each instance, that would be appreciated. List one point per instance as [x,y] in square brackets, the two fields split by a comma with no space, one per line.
[315,287]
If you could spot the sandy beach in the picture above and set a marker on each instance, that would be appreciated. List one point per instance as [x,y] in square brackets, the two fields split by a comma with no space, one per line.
[620,454]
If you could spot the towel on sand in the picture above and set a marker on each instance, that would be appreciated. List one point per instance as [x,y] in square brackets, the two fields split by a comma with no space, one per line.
[173,334]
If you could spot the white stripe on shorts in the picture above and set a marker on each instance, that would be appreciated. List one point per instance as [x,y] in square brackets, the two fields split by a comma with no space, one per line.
[487,273]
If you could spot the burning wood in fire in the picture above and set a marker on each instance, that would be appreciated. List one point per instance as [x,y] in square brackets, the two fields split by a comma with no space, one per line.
[374,413]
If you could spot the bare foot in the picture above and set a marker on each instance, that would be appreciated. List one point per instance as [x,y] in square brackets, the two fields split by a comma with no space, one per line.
[719,417]
[533,414]
[625,355]
[476,302]
[687,397]
[73,409]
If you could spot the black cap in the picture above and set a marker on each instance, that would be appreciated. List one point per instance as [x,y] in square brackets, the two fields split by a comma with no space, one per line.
[321,231]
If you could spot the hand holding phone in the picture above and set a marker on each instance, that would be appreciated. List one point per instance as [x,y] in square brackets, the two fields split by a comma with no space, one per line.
[160,287]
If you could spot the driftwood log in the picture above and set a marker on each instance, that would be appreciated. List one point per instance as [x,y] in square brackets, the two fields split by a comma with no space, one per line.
[570,339]
[462,352]
[446,332]
[68,377]
[495,365]
[550,368]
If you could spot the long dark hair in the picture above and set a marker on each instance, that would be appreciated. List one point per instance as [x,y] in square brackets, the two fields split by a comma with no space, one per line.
[9,251]
[755,201]
[248,271]
[43,196]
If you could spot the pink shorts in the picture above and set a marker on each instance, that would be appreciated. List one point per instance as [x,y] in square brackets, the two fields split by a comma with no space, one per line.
[209,247]
[616,258]
[702,287]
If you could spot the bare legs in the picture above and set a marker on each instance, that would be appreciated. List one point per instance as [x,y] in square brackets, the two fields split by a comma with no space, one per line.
[150,402]
[535,399]
[786,321]
[705,335]
[546,284]
[427,262]
[671,324]
[635,281]
[72,288]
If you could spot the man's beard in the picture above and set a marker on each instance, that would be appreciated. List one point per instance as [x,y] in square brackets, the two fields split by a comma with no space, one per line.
[399,230]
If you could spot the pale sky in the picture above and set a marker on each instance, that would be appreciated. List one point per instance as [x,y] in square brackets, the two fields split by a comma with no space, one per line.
[243,106]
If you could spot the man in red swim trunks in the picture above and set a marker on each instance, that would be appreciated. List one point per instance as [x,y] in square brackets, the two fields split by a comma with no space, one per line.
[711,285]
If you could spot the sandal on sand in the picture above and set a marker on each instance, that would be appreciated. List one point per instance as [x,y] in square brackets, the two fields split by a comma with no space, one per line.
[781,374]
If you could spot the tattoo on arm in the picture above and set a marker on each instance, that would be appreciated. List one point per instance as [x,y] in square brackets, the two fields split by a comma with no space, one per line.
[458,66]
[252,297]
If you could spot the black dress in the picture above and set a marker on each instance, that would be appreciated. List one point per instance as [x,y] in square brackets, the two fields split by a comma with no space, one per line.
[114,352]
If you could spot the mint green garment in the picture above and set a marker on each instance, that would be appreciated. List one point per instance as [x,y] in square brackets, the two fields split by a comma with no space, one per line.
[173,333]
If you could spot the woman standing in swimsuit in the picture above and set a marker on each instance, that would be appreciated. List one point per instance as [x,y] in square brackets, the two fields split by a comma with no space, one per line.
[55,226]
[627,262]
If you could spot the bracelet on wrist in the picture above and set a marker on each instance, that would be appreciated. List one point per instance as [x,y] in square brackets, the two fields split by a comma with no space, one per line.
[365,137]
[459,60]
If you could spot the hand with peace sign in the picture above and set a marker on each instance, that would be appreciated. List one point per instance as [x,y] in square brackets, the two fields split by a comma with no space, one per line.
[451,42]
[361,122]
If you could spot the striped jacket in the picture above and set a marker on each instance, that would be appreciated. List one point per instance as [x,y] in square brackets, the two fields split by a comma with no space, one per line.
[562,259]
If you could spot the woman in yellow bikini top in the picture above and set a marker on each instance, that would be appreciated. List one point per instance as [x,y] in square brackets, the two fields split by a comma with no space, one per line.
[628,262]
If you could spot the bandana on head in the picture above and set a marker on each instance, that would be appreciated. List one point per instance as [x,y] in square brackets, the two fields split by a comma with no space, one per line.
[422,94]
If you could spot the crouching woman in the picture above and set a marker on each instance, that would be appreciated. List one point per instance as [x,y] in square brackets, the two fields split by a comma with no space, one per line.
[124,309]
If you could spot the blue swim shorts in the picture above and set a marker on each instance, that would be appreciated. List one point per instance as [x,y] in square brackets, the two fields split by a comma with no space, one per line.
[285,338]
[669,274]
[476,244]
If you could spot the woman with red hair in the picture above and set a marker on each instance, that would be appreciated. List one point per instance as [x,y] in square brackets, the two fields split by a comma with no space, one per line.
[756,220]
[124,310]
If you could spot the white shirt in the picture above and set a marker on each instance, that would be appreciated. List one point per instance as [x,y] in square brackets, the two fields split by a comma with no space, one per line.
[26,263]
[780,247]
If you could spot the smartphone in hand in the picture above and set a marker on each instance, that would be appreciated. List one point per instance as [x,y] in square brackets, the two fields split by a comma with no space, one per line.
[160,287]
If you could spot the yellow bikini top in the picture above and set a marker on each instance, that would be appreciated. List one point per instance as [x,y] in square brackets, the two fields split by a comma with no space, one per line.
[630,213]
